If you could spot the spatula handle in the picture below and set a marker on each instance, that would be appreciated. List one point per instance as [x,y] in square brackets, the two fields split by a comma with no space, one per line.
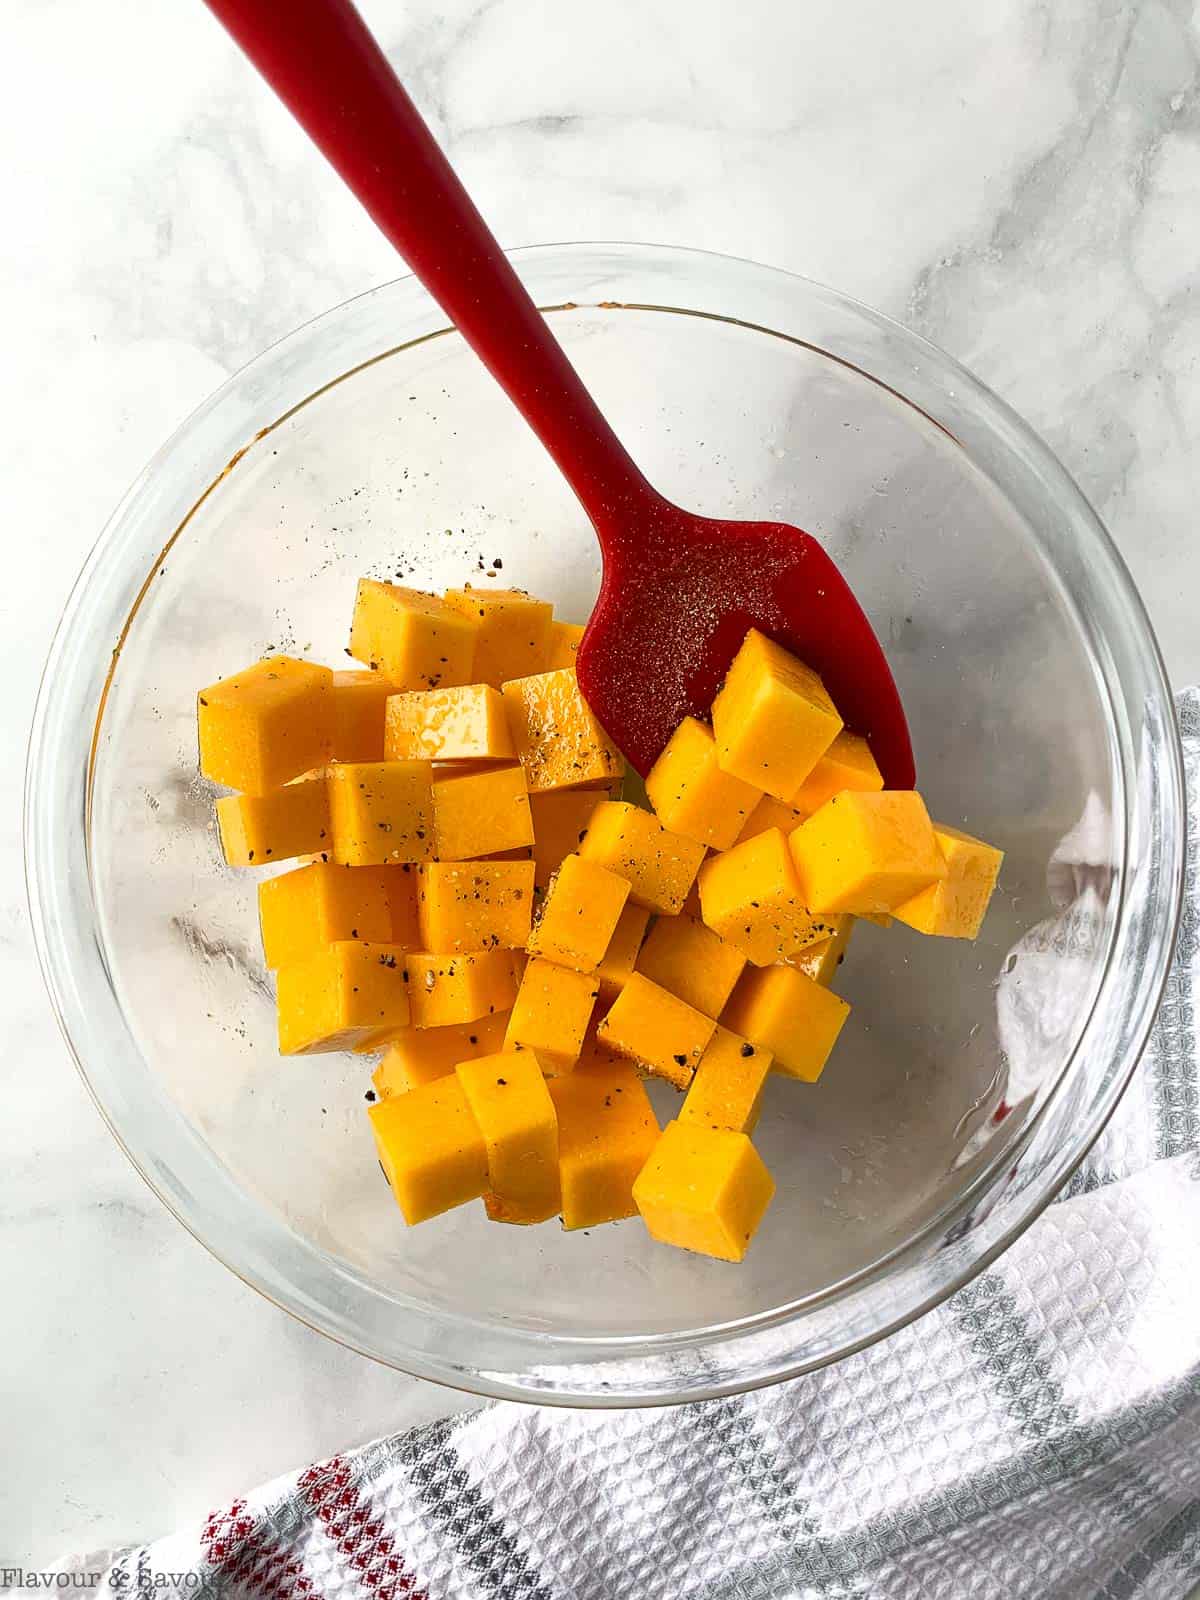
[324,64]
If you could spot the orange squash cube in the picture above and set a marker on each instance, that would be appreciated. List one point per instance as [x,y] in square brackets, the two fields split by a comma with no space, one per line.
[772,718]
[821,961]
[727,1089]
[704,1189]
[787,1013]
[415,640]
[419,1055]
[359,699]
[431,1149]
[692,795]
[257,830]
[955,907]
[400,886]
[847,764]
[619,960]
[579,914]
[462,723]
[691,962]
[512,632]
[656,1030]
[348,995]
[266,725]
[866,852]
[381,812]
[481,813]
[475,905]
[301,912]
[659,866]
[770,813]
[560,820]
[458,988]
[550,1015]
[563,646]
[750,895]
[513,1110]
[558,740]
[606,1131]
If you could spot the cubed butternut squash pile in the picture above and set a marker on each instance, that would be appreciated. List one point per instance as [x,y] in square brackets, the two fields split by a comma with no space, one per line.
[474,899]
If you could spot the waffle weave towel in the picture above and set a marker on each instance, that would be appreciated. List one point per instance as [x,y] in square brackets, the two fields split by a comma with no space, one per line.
[1036,1436]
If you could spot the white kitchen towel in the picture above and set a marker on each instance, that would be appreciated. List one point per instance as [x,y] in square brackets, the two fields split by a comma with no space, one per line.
[1035,1438]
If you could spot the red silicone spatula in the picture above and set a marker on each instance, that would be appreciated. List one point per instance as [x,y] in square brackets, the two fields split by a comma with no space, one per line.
[679,591]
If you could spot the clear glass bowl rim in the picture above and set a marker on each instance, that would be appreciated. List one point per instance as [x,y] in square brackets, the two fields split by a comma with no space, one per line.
[518,1363]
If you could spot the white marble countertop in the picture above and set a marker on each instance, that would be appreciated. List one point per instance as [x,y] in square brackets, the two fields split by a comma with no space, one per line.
[1020,181]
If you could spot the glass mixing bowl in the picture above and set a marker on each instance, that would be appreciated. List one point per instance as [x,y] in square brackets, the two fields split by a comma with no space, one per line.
[970,1079]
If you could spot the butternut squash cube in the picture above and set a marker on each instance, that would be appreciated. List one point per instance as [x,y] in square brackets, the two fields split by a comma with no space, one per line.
[619,959]
[301,912]
[419,1055]
[704,1189]
[865,852]
[349,994]
[750,895]
[558,740]
[595,1054]
[656,1030]
[458,988]
[475,905]
[821,961]
[727,1089]
[563,646]
[772,718]
[692,795]
[512,632]
[955,907]
[789,1014]
[691,906]
[415,640]
[579,914]
[430,1148]
[550,1015]
[658,865]
[266,725]
[359,701]
[400,885]
[512,1107]
[481,813]
[560,820]
[691,962]
[847,764]
[770,813]
[463,723]
[606,1131]
[293,821]
[381,812]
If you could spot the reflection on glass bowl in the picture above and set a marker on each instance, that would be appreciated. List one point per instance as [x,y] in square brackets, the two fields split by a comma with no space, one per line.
[970,1079]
